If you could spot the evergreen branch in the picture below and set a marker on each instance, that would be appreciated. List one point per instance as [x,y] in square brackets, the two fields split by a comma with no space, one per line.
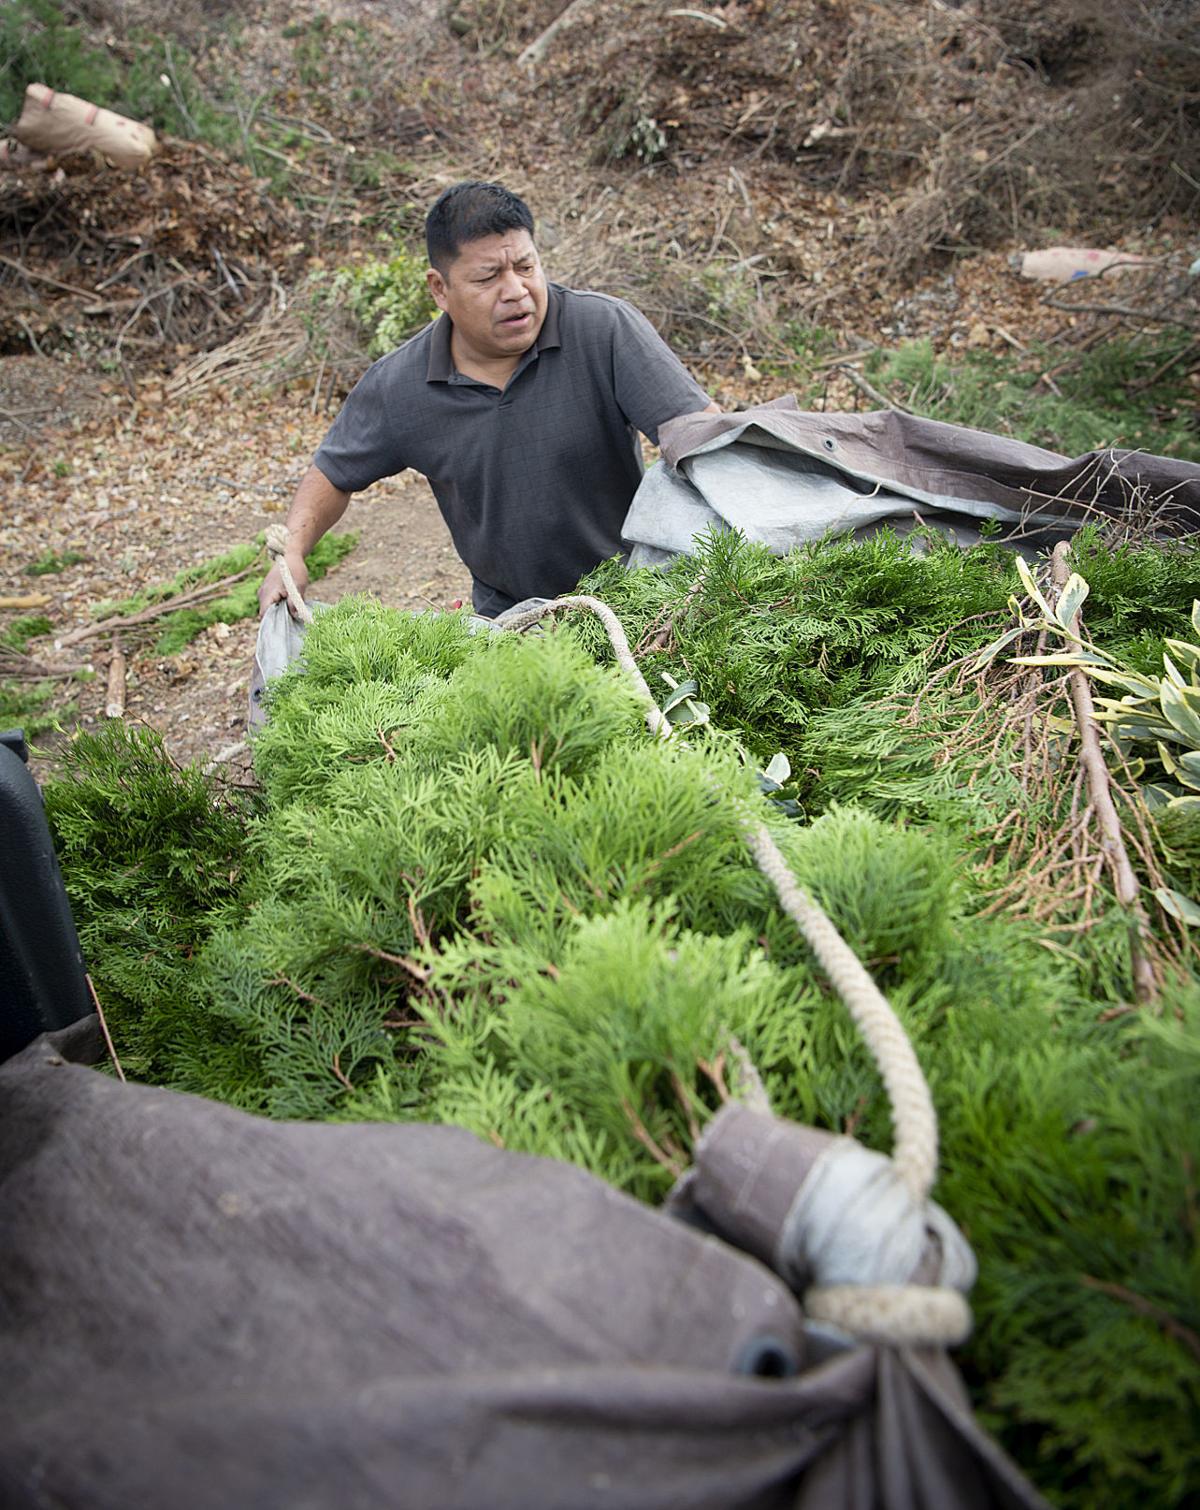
[674,1167]
[418,972]
[420,931]
[283,980]
[685,1102]
[1169,1324]
[660,633]
[716,1073]
[655,865]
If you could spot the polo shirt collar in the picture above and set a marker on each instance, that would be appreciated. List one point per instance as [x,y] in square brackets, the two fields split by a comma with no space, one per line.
[440,368]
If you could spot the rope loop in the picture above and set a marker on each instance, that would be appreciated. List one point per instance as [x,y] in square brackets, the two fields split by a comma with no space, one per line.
[903,1315]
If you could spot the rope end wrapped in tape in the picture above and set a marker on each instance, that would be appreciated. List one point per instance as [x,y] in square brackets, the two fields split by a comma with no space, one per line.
[895,1315]
[837,1222]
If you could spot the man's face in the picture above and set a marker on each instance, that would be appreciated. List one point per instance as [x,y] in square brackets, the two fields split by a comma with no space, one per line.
[495,294]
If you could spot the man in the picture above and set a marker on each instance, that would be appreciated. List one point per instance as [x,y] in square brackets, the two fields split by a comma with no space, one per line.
[520,404]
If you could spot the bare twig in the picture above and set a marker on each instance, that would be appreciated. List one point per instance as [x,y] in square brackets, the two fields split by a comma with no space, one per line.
[869,389]
[112,1053]
[1112,842]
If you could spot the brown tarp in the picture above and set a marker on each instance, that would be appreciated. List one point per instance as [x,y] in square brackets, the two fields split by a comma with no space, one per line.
[200,1308]
[785,476]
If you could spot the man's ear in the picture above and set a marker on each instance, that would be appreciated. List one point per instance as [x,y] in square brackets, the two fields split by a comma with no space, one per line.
[437,287]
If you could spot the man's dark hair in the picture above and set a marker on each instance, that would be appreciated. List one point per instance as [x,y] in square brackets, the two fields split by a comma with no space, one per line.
[467,212]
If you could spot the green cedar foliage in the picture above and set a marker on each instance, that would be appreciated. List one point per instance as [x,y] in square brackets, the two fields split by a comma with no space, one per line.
[152,857]
[478,892]
[774,640]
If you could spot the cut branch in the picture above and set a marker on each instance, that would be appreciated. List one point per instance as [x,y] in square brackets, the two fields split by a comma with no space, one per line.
[114,705]
[1112,843]
[190,599]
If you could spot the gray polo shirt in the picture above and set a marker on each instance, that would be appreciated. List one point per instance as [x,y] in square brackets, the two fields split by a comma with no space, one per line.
[534,481]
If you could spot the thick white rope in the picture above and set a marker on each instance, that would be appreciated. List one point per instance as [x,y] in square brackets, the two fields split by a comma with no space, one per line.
[277,542]
[656,720]
[913,1117]
[902,1315]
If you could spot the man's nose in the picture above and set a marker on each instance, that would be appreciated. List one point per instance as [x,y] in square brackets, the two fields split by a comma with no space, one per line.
[511,286]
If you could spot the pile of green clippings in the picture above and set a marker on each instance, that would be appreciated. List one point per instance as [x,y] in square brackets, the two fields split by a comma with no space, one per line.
[471,888]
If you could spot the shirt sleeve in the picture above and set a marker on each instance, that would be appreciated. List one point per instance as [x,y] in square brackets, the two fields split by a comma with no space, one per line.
[366,440]
[651,384]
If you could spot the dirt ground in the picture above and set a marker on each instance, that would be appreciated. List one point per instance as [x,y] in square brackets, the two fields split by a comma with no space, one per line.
[142,496]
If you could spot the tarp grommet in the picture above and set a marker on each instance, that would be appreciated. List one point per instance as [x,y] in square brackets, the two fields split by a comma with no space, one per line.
[767,1357]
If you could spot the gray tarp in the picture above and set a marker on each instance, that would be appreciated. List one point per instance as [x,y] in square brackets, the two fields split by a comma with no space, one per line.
[199,1308]
[783,477]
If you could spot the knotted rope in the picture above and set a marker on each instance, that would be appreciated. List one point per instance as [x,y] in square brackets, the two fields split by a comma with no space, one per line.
[277,542]
[904,1314]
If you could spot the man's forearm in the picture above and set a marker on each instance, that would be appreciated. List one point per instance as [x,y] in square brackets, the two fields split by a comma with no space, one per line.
[316,508]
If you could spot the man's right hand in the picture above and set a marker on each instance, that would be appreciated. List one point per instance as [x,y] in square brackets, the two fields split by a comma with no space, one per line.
[317,507]
[273,590]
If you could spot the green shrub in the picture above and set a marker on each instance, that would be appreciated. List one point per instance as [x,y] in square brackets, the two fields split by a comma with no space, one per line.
[389,299]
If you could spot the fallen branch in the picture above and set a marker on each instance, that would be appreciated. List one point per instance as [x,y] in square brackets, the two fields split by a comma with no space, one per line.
[15,665]
[29,272]
[1091,757]
[26,600]
[536,50]
[189,599]
[872,392]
